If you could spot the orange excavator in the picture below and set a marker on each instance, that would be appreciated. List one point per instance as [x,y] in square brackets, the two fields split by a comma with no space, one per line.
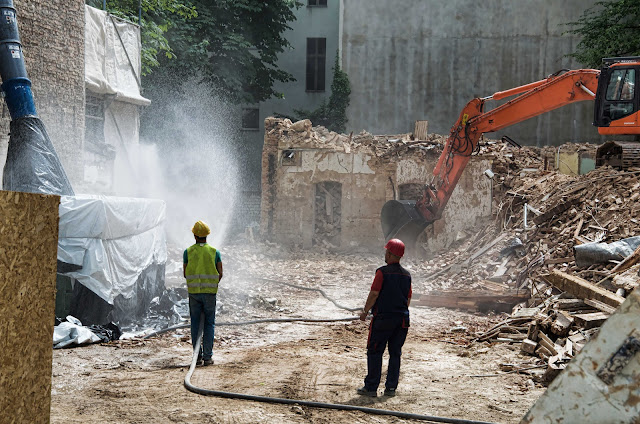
[617,111]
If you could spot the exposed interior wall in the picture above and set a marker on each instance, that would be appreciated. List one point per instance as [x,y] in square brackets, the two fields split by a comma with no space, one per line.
[52,35]
[303,166]
[28,251]
[425,59]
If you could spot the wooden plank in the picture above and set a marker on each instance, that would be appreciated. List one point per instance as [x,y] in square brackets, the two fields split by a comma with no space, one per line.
[547,343]
[602,307]
[512,336]
[555,211]
[28,246]
[420,130]
[528,346]
[578,228]
[628,262]
[587,321]
[561,325]
[471,301]
[554,261]
[569,304]
[581,288]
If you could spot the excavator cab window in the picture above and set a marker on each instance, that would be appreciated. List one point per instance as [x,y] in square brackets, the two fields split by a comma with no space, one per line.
[618,96]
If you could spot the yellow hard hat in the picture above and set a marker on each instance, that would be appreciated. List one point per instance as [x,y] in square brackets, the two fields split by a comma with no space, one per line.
[200,229]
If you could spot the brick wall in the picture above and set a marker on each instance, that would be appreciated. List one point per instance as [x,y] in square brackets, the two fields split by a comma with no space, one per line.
[52,35]
[299,161]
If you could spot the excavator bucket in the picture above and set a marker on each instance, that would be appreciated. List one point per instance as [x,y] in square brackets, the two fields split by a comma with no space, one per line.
[400,219]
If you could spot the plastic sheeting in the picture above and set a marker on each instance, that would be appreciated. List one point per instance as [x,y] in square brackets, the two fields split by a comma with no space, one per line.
[112,57]
[32,163]
[71,332]
[594,253]
[116,240]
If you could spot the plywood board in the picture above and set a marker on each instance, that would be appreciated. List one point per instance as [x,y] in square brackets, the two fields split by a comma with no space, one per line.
[28,252]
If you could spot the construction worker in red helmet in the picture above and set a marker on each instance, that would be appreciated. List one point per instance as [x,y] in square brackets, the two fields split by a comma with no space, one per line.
[202,269]
[388,300]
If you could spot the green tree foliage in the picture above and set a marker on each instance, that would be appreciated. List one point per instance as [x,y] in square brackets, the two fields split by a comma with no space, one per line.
[232,45]
[158,17]
[609,29]
[332,114]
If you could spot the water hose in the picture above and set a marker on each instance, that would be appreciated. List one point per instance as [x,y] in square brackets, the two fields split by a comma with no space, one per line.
[312,404]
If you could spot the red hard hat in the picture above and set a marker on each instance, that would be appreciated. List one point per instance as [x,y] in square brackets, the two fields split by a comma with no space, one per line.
[396,247]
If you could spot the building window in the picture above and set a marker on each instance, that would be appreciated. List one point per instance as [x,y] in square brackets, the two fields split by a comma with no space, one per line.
[94,119]
[316,58]
[250,118]
[317,3]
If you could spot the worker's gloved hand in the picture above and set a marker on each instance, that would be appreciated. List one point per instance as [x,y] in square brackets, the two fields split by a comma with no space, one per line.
[363,315]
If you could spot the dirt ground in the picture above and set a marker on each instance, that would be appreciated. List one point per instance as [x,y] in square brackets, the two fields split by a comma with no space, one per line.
[443,373]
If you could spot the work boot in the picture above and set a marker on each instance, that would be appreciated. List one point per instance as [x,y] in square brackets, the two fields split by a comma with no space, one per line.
[207,362]
[364,392]
[389,392]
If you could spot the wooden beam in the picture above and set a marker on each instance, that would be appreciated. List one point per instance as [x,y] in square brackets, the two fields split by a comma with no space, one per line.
[588,321]
[582,289]
[602,307]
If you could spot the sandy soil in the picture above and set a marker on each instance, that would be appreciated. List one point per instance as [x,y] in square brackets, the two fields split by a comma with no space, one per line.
[141,381]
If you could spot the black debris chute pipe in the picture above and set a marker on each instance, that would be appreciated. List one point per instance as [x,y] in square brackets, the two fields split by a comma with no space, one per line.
[32,163]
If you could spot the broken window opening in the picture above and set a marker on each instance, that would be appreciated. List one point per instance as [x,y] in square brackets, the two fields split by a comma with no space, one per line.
[328,214]
[290,158]
[410,191]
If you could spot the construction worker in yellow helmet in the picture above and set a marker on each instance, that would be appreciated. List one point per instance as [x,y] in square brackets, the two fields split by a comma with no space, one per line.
[202,269]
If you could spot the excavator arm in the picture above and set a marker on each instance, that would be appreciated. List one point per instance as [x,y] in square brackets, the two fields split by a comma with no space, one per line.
[406,219]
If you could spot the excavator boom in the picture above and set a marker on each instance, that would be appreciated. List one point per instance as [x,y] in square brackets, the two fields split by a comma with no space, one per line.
[405,219]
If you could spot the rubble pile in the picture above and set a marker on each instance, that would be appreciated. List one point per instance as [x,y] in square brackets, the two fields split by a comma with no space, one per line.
[302,135]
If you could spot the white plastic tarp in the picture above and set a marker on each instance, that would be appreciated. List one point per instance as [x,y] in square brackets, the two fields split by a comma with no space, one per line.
[71,332]
[113,238]
[112,57]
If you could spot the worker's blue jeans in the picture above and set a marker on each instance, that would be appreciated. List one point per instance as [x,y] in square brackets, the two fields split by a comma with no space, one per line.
[203,304]
[383,331]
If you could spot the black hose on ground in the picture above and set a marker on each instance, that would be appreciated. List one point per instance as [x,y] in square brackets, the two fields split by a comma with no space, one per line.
[312,404]
[255,321]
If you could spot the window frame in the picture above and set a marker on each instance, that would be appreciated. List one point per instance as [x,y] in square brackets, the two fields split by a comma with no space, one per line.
[318,61]
[316,3]
[257,118]
[94,104]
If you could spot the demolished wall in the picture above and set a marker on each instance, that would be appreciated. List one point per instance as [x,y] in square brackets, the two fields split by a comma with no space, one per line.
[327,189]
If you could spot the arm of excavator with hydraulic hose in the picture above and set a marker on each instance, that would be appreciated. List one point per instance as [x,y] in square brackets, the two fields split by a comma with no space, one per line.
[407,219]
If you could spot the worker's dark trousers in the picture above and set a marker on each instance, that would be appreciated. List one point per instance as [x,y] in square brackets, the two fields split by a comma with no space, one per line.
[203,304]
[382,331]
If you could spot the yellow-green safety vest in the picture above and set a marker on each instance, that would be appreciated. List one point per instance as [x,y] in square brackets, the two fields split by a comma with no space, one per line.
[201,272]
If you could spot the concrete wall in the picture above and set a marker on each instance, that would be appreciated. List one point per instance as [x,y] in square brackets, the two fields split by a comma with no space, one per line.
[425,59]
[316,22]
[289,191]
[52,35]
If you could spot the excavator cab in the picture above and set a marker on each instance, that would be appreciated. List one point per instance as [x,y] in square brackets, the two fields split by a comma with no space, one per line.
[617,106]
